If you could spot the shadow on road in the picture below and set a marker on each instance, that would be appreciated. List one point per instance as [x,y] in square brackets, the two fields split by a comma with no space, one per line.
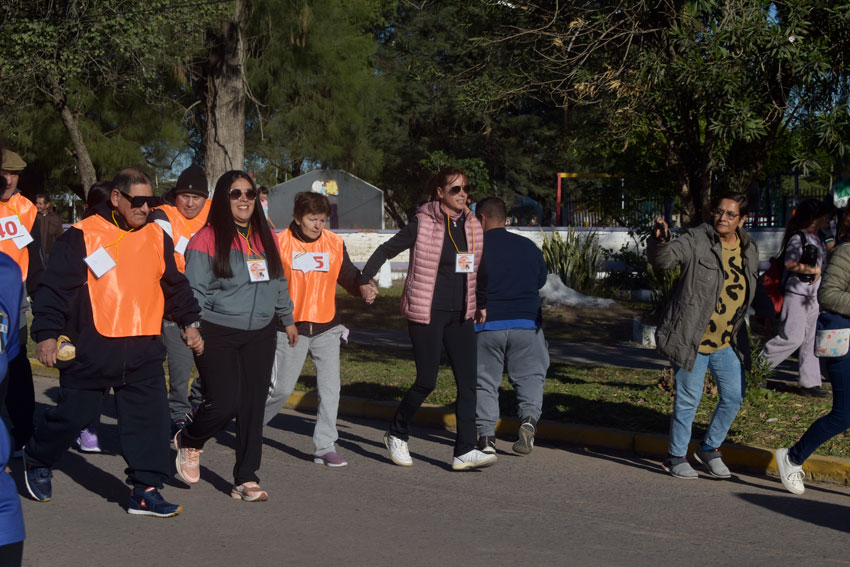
[821,514]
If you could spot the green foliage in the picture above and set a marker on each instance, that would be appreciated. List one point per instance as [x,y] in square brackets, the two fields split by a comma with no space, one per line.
[475,169]
[574,258]
[760,369]
[663,284]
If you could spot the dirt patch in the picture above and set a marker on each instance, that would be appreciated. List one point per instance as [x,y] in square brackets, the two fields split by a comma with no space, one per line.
[605,326]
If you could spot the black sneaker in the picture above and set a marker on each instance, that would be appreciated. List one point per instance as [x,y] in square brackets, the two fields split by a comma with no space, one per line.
[487,444]
[38,481]
[149,502]
[814,392]
[525,443]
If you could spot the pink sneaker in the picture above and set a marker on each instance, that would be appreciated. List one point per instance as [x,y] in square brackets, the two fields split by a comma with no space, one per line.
[330,459]
[188,462]
[87,441]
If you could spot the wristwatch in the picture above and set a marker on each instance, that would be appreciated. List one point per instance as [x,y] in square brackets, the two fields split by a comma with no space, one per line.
[195,325]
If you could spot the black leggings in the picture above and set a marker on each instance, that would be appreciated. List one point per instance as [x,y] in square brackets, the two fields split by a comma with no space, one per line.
[11,554]
[447,329]
[236,371]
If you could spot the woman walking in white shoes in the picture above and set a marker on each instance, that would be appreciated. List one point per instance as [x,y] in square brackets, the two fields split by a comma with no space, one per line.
[234,267]
[440,301]
[834,299]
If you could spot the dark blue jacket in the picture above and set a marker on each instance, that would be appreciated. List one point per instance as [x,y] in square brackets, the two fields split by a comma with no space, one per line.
[515,273]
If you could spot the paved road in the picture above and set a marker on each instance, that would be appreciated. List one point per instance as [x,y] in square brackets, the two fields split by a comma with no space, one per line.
[562,505]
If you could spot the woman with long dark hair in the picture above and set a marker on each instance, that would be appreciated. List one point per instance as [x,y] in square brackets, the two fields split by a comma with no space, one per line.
[800,304]
[441,297]
[234,267]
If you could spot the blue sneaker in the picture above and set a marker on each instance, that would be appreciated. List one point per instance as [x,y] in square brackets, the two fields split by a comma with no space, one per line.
[38,481]
[149,502]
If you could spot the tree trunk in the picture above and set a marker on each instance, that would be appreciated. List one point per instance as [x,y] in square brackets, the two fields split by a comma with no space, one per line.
[224,138]
[69,119]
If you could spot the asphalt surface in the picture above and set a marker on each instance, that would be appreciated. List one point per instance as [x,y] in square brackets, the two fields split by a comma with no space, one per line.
[561,505]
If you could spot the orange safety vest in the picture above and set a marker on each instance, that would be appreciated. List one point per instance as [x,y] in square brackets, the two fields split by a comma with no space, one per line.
[181,226]
[313,293]
[26,212]
[126,301]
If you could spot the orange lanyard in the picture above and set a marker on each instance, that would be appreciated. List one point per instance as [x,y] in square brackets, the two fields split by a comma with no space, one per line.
[248,242]
[120,238]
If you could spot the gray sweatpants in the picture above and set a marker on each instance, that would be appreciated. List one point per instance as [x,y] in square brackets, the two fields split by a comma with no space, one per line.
[798,323]
[288,362]
[525,354]
[181,399]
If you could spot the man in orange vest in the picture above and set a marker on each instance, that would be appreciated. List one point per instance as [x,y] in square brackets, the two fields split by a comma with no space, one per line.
[111,279]
[181,220]
[21,240]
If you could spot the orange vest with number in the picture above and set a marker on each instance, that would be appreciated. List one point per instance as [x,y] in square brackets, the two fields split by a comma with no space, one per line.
[181,226]
[27,212]
[126,301]
[313,293]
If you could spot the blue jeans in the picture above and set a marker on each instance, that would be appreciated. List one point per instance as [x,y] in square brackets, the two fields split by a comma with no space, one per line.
[833,423]
[729,375]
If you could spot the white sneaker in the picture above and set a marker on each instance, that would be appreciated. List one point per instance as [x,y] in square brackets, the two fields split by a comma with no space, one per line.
[474,459]
[791,475]
[398,450]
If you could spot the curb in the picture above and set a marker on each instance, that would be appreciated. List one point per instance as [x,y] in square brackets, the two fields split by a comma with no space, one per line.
[818,468]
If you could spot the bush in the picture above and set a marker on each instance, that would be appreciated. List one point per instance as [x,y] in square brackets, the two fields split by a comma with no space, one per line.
[576,260]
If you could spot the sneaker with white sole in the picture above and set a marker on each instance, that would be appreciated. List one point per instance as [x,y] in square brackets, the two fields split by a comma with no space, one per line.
[487,444]
[525,441]
[330,459]
[713,463]
[474,459]
[790,474]
[398,450]
[188,461]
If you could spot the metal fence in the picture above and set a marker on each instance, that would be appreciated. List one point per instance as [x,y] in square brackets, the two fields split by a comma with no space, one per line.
[771,204]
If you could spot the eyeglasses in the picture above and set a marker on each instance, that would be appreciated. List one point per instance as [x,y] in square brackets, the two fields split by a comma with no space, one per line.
[458,188]
[728,214]
[138,202]
[236,194]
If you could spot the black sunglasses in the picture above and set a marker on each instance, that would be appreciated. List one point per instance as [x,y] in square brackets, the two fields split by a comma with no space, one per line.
[458,188]
[139,202]
[235,194]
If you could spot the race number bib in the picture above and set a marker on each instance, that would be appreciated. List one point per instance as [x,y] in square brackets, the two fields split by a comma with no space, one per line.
[100,262]
[258,271]
[465,263]
[311,261]
[12,229]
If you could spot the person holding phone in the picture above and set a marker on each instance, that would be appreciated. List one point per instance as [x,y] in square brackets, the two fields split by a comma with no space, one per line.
[703,325]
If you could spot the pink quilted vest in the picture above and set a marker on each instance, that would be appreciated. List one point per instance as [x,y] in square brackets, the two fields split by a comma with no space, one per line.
[425,260]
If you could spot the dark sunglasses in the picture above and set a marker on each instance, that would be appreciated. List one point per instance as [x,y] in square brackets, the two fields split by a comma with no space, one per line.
[235,194]
[139,202]
[457,189]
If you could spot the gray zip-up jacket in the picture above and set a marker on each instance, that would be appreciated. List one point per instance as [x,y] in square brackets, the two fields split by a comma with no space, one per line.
[698,251]
[834,292]
[234,302]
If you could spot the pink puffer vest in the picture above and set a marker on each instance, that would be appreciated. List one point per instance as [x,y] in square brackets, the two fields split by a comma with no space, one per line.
[425,260]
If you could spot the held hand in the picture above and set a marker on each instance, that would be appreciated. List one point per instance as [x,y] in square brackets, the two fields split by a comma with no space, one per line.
[46,352]
[369,292]
[660,230]
[292,335]
[817,276]
[480,316]
[193,340]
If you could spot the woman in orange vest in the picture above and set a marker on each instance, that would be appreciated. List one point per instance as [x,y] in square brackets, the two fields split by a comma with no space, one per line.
[315,261]
[234,267]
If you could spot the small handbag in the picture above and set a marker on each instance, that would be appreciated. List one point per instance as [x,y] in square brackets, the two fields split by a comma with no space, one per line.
[832,337]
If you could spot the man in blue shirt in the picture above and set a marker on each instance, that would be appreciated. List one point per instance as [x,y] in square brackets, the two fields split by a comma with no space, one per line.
[11,516]
[511,337]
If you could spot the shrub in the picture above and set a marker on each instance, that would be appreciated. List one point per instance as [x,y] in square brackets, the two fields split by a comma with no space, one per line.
[576,260]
